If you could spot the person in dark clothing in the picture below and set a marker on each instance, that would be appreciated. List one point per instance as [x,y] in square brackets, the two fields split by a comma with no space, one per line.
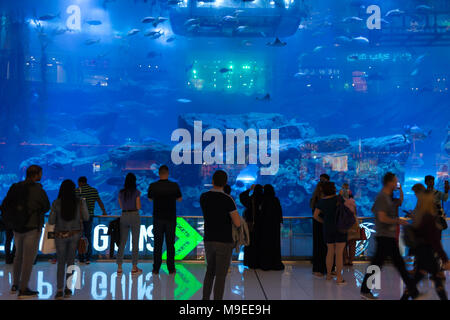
[428,245]
[326,214]
[219,213]
[252,215]
[386,221]
[164,194]
[9,253]
[269,249]
[92,197]
[319,245]
[27,240]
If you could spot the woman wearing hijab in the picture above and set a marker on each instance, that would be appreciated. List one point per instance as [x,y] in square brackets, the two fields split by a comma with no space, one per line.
[269,250]
[252,215]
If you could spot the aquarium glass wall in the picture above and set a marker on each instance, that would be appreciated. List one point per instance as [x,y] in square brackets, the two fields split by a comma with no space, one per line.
[100,88]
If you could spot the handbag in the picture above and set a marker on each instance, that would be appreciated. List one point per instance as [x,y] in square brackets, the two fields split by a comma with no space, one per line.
[48,243]
[83,241]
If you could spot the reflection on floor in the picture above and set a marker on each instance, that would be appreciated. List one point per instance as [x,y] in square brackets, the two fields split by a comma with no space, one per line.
[99,281]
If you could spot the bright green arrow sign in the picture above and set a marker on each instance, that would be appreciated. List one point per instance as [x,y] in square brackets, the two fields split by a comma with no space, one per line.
[188,239]
[186,283]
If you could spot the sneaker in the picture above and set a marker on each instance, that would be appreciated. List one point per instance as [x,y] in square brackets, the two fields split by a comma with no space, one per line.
[67,293]
[59,295]
[14,289]
[368,296]
[27,294]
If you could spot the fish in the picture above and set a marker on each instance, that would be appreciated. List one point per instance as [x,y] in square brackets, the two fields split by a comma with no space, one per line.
[132,32]
[229,19]
[423,8]
[193,27]
[247,43]
[415,132]
[148,19]
[300,75]
[415,72]
[238,12]
[353,57]
[343,39]
[171,39]
[420,59]
[395,12]
[265,98]
[93,22]
[48,17]
[158,21]
[225,70]
[183,100]
[191,22]
[361,39]
[154,34]
[89,42]
[153,54]
[263,34]
[276,43]
[59,31]
[241,28]
[352,19]
[318,48]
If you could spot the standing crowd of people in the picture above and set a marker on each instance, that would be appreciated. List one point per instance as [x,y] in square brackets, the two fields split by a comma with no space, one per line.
[332,246]
[259,228]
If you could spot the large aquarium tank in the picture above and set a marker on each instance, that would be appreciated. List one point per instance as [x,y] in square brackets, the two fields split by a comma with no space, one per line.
[351,88]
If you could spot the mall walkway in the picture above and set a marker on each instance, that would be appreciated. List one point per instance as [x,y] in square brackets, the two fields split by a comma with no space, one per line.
[99,282]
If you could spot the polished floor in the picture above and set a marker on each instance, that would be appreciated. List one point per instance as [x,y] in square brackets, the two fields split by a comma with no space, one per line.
[99,281]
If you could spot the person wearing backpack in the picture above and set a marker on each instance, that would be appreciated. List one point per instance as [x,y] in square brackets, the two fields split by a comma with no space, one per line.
[326,213]
[68,213]
[386,221]
[427,245]
[23,211]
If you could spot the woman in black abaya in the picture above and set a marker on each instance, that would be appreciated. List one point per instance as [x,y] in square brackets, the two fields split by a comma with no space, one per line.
[252,215]
[269,250]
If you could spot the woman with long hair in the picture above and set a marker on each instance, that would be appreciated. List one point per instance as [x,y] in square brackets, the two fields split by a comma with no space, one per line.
[130,203]
[252,215]
[428,245]
[67,214]
[326,213]
[269,251]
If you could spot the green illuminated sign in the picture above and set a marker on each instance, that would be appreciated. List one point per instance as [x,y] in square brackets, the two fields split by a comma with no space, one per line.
[188,239]
[186,283]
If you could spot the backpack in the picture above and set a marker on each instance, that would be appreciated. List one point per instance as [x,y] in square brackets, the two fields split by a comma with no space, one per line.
[14,207]
[345,218]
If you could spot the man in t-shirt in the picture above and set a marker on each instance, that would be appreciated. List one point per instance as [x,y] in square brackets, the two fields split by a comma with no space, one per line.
[219,212]
[91,196]
[386,222]
[164,194]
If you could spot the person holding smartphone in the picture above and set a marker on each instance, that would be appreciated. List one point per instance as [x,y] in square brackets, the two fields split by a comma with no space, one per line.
[397,200]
